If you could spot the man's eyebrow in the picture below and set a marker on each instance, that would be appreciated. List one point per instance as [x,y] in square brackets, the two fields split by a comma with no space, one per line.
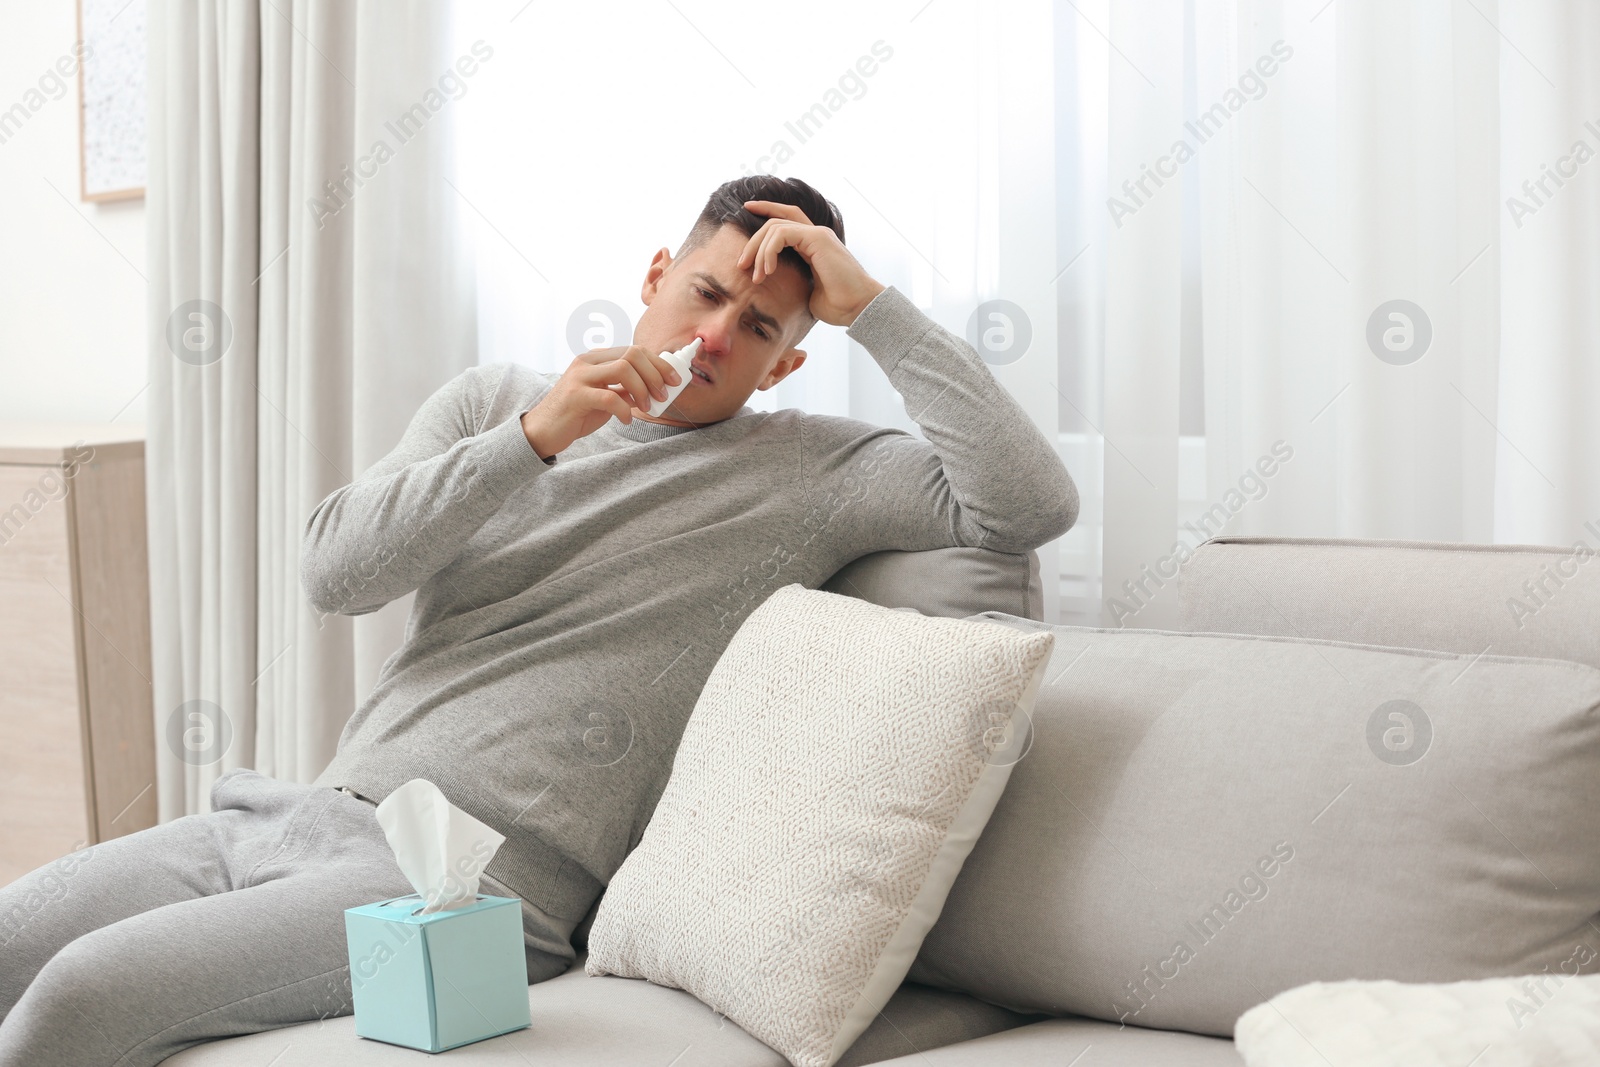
[721,290]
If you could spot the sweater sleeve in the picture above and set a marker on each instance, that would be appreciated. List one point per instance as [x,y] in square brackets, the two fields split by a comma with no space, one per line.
[409,515]
[986,477]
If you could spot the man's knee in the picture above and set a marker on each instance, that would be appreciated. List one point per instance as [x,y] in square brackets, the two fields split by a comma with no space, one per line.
[84,973]
[64,1010]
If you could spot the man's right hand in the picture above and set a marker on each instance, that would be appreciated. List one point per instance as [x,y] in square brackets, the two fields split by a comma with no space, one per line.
[582,399]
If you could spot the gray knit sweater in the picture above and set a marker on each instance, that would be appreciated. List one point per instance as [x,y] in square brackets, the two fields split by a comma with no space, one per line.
[568,615]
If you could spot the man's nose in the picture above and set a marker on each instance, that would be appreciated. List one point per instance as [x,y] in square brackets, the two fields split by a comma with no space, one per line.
[716,336]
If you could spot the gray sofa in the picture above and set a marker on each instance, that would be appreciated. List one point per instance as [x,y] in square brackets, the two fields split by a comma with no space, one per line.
[1409,595]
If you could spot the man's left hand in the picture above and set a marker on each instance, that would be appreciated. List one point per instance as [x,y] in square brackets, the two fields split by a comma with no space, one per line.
[840,287]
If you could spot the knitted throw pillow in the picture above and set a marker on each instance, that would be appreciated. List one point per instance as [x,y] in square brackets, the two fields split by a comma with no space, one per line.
[840,762]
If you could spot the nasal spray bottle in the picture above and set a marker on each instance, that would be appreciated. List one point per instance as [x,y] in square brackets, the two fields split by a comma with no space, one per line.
[680,361]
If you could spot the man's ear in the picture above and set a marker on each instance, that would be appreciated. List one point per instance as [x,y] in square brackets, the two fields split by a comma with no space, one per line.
[786,365]
[653,274]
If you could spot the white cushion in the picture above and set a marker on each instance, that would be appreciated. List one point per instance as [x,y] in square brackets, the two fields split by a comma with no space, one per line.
[1543,1020]
[840,762]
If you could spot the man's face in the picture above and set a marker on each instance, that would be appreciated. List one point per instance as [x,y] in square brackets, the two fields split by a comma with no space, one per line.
[745,327]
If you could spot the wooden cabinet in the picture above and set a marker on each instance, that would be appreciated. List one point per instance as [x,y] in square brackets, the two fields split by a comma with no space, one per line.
[77,734]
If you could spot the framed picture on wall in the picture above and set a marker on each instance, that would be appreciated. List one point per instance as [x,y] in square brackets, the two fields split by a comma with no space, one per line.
[111,94]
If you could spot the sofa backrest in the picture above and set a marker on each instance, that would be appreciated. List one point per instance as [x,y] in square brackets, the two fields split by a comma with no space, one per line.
[1506,600]
[952,582]
[1204,820]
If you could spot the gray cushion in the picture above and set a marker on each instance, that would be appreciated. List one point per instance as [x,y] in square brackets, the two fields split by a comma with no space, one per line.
[919,1018]
[953,582]
[1171,775]
[1413,594]
[1065,1042]
[615,1022]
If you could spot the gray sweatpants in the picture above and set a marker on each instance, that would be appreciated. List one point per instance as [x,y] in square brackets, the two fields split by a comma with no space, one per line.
[207,926]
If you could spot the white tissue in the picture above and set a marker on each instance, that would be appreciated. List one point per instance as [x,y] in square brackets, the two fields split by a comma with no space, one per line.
[441,849]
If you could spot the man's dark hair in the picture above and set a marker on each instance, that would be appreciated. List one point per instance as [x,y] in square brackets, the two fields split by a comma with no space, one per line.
[726,205]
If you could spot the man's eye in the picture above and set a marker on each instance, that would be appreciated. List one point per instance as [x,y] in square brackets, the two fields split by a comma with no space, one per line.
[761,331]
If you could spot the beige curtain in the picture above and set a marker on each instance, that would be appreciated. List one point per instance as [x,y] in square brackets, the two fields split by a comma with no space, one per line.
[306,296]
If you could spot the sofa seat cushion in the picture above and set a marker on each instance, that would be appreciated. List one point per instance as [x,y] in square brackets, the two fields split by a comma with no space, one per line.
[1068,1043]
[580,1021]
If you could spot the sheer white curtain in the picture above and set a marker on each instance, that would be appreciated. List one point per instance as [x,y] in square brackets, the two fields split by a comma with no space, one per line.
[1328,232]
[1549,300]
[1379,164]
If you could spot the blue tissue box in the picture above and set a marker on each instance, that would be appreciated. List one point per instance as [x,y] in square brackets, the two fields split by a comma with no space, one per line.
[433,982]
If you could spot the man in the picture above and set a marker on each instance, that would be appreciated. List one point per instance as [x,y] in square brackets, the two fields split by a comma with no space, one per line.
[579,567]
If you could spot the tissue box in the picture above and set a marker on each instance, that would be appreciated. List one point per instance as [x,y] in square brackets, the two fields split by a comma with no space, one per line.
[433,982]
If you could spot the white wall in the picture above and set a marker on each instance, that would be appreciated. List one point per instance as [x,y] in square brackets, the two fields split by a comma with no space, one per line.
[72,291]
